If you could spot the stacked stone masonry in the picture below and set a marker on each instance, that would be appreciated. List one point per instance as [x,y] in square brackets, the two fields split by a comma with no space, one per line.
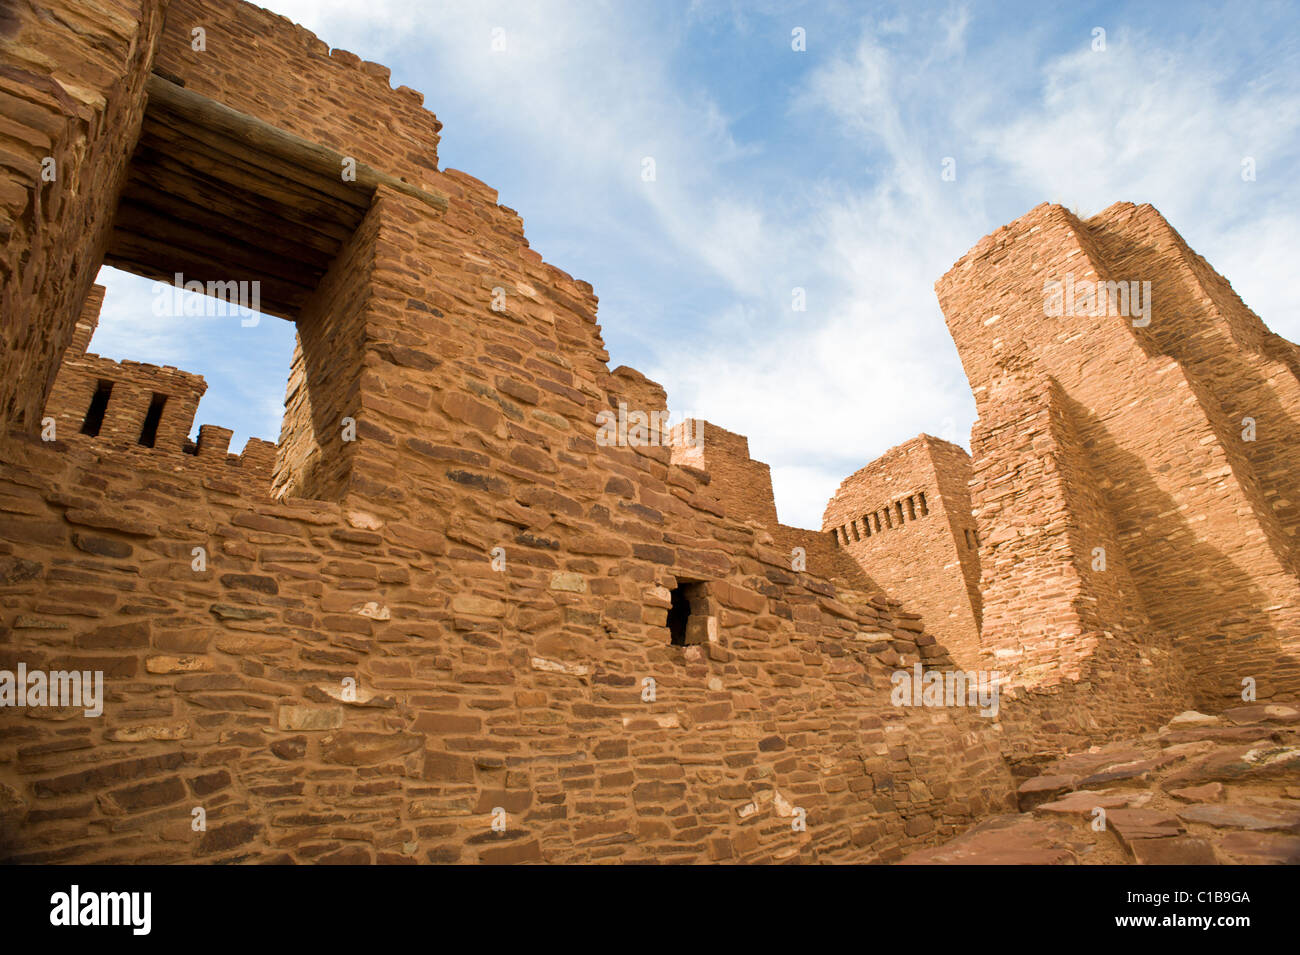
[442,601]
[520,689]
[906,519]
[131,406]
[1131,473]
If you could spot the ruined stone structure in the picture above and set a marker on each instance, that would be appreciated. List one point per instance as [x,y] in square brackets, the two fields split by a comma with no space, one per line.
[906,519]
[521,686]
[129,405]
[1133,475]
[440,621]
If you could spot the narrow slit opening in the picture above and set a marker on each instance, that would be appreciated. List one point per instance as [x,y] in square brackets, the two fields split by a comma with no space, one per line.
[94,419]
[149,433]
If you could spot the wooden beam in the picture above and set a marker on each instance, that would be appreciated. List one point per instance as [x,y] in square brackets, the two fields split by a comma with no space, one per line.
[227,211]
[221,167]
[234,256]
[263,137]
[171,215]
[251,167]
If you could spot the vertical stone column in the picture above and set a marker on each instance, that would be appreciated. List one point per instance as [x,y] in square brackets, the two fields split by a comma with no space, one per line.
[1203,549]
[79,129]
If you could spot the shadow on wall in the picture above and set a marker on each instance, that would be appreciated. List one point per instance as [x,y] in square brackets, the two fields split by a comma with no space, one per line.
[1235,639]
[1241,387]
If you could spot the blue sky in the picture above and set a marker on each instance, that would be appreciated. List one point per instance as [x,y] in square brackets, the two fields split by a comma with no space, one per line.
[820,170]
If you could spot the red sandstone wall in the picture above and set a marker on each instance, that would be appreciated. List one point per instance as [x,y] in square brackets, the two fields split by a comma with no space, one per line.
[1220,343]
[919,554]
[87,322]
[318,449]
[134,385]
[1208,556]
[264,65]
[1063,623]
[519,687]
[477,690]
[71,89]
[952,475]
[743,483]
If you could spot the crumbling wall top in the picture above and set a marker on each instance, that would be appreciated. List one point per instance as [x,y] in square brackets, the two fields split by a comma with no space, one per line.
[263,64]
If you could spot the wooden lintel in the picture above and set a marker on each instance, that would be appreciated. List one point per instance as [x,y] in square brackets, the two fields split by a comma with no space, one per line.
[263,137]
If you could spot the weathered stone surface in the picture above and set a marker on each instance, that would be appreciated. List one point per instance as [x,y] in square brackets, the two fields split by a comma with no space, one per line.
[1262,848]
[149,731]
[1002,840]
[364,749]
[310,717]
[1209,792]
[444,526]
[1179,850]
[164,663]
[1132,825]
[575,583]
[1243,817]
[1084,802]
[1041,789]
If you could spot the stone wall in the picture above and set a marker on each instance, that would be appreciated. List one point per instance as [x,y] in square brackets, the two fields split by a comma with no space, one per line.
[1145,463]
[521,689]
[457,615]
[1065,629]
[144,410]
[71,93]
[134,385]
[266,66]
[445,620]
[906,519]
[744,483]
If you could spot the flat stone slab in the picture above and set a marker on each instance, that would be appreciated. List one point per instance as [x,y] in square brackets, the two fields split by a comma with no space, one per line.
[1135,771]
[1268,848]
[1243,817]
[1220,734]
[1084,764]
[1133,825]
[1002,840]
[1208,792]
[1193,718]
[1239,763]
[1083,802]
[1179,850]
[1041,789]
[1262,712]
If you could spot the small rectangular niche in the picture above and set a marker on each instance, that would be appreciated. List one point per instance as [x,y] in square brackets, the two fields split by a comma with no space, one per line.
[688,614]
